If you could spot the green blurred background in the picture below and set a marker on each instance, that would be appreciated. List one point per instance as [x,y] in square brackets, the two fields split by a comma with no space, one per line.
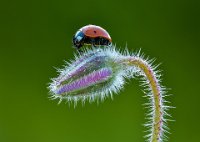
[35,36]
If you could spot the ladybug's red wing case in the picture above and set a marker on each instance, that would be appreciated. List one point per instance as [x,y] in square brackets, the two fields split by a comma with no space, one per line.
[95,31]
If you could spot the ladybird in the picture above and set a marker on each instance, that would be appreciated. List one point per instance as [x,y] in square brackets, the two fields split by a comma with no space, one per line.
[91,35]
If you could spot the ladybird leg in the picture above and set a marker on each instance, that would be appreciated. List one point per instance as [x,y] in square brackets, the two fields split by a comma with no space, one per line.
[109,44]
[93,46]
[79,48]
[98,42]
[93,43]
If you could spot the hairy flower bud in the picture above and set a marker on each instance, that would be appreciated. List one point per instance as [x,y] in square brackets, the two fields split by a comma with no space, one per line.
[95,74]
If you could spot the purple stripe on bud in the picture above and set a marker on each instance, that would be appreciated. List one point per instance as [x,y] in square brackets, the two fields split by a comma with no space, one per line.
[89,80]
[77,71]
[88,63]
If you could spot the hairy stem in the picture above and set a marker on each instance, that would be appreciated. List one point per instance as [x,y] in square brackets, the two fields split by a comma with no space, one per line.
[155,94]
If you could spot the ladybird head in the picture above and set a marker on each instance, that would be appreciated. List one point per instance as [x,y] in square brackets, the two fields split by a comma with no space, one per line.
[78,39]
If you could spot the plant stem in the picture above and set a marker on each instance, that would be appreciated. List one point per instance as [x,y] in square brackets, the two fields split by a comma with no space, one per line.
[152,81]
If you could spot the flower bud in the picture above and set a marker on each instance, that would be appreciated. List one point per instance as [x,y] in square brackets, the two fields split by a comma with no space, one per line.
[94,74]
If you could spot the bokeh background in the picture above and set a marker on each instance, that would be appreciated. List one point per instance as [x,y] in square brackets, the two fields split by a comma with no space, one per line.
[35,37]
